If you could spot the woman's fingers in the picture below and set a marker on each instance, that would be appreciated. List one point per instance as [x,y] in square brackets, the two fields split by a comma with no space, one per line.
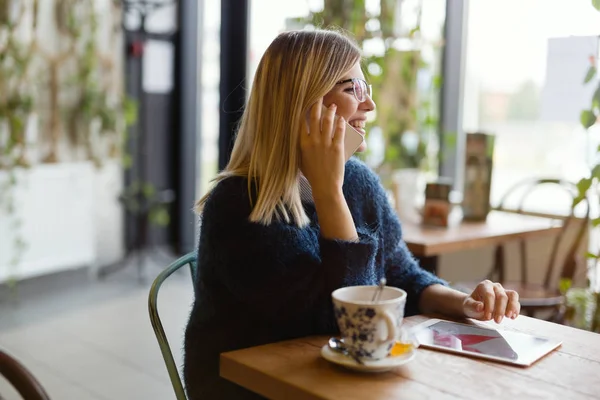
[501,301]
[489,299]
[473,308]
[328,124]
[496,302]
[322,156]
[305,131]
[315,120]
[339,133]
[514,307]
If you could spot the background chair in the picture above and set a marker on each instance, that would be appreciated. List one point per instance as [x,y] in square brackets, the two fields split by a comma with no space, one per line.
[544,296]
[21,379]
[163,342]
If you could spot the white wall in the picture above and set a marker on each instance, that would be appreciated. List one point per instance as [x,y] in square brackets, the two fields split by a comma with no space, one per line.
[108,216]
[52,217]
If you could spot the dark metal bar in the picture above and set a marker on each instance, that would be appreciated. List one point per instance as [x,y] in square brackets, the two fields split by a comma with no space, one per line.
[234,51]
[188,107]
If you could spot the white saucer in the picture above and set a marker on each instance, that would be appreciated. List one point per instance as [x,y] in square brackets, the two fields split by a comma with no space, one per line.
[383,365]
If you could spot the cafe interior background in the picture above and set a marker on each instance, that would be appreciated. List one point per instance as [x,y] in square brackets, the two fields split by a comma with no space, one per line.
[115,116]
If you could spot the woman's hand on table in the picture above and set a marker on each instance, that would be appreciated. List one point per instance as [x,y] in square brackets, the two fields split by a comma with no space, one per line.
[489,301]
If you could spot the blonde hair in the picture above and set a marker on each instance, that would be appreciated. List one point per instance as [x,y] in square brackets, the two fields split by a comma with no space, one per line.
[297,69]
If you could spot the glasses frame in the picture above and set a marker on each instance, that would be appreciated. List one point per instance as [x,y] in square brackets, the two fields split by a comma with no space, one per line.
[369,87]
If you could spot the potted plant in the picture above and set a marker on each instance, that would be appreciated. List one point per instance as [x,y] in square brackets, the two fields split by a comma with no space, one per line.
[582,305]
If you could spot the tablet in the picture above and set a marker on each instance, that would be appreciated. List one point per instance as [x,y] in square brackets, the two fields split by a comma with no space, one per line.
[494,344]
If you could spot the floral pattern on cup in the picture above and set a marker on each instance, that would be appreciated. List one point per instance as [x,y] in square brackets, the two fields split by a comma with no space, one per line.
[364,327]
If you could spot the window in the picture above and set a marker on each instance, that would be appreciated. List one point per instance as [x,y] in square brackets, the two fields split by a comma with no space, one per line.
[268,18]
[264,26]
[407,15]
[208,87]
[507,88]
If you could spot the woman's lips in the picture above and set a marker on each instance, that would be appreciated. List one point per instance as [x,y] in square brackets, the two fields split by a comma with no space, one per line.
[361,131]
[358,127]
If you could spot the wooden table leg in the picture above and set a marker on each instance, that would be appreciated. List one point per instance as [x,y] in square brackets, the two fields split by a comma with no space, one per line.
[429,263]
[497,272]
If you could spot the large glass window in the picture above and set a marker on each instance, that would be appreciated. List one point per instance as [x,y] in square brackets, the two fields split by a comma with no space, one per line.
[514,87]
[417,35]
[268,18]
[208,87]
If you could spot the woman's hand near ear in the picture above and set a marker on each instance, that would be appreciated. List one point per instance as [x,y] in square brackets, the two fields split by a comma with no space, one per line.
[323,163]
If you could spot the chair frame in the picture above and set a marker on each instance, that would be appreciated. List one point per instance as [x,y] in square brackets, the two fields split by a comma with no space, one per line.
[531,305]
[21,378]
[159,331]
[568,270]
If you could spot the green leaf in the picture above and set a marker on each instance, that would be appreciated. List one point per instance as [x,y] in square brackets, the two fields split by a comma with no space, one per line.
[591,73]
[587,118]
[437,82]
[584,185]
[127,161]
[130,111]
[159,216]
[596,4]
[596,98]
[595,222]
[577,200]
[591,255]
[596,172]
[564,284]
[413,31]
[148,190]
[450,139]
[430,121]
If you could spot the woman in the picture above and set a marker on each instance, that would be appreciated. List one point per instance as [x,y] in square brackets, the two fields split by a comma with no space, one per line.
[271,253]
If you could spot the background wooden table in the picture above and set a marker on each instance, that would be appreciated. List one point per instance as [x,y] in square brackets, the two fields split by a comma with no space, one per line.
[427,243]
[295,370]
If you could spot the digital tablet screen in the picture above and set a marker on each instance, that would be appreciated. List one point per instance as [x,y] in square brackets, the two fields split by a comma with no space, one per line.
[507,345]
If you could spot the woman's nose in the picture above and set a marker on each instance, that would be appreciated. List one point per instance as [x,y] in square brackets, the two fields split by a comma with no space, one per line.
[368,104]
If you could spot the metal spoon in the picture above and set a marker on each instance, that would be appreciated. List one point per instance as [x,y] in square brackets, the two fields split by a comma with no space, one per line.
[379,290]
[337,345]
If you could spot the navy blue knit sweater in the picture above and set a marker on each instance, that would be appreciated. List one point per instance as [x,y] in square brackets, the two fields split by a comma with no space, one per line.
[261,284]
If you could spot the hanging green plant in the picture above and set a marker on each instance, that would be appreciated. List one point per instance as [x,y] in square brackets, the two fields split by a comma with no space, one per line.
[17,94]
[97,101]
[65,16]
[11,12]
[72,86]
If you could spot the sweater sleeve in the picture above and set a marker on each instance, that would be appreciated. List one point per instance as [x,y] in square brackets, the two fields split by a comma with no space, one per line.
[402,270]
[280,269]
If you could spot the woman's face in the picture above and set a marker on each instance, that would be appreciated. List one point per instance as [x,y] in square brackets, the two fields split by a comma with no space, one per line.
[348,106]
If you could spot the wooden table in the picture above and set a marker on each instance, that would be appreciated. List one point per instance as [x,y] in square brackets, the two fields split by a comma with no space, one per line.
[427,243]
[295,370]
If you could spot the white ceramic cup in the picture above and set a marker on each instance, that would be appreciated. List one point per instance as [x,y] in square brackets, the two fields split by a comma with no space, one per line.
[369,329]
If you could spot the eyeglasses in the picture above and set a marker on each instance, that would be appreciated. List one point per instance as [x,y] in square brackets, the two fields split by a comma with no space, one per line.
[361,88]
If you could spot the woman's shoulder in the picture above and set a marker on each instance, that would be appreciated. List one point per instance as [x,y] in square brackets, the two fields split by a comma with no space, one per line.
[229,195]
[359,176]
